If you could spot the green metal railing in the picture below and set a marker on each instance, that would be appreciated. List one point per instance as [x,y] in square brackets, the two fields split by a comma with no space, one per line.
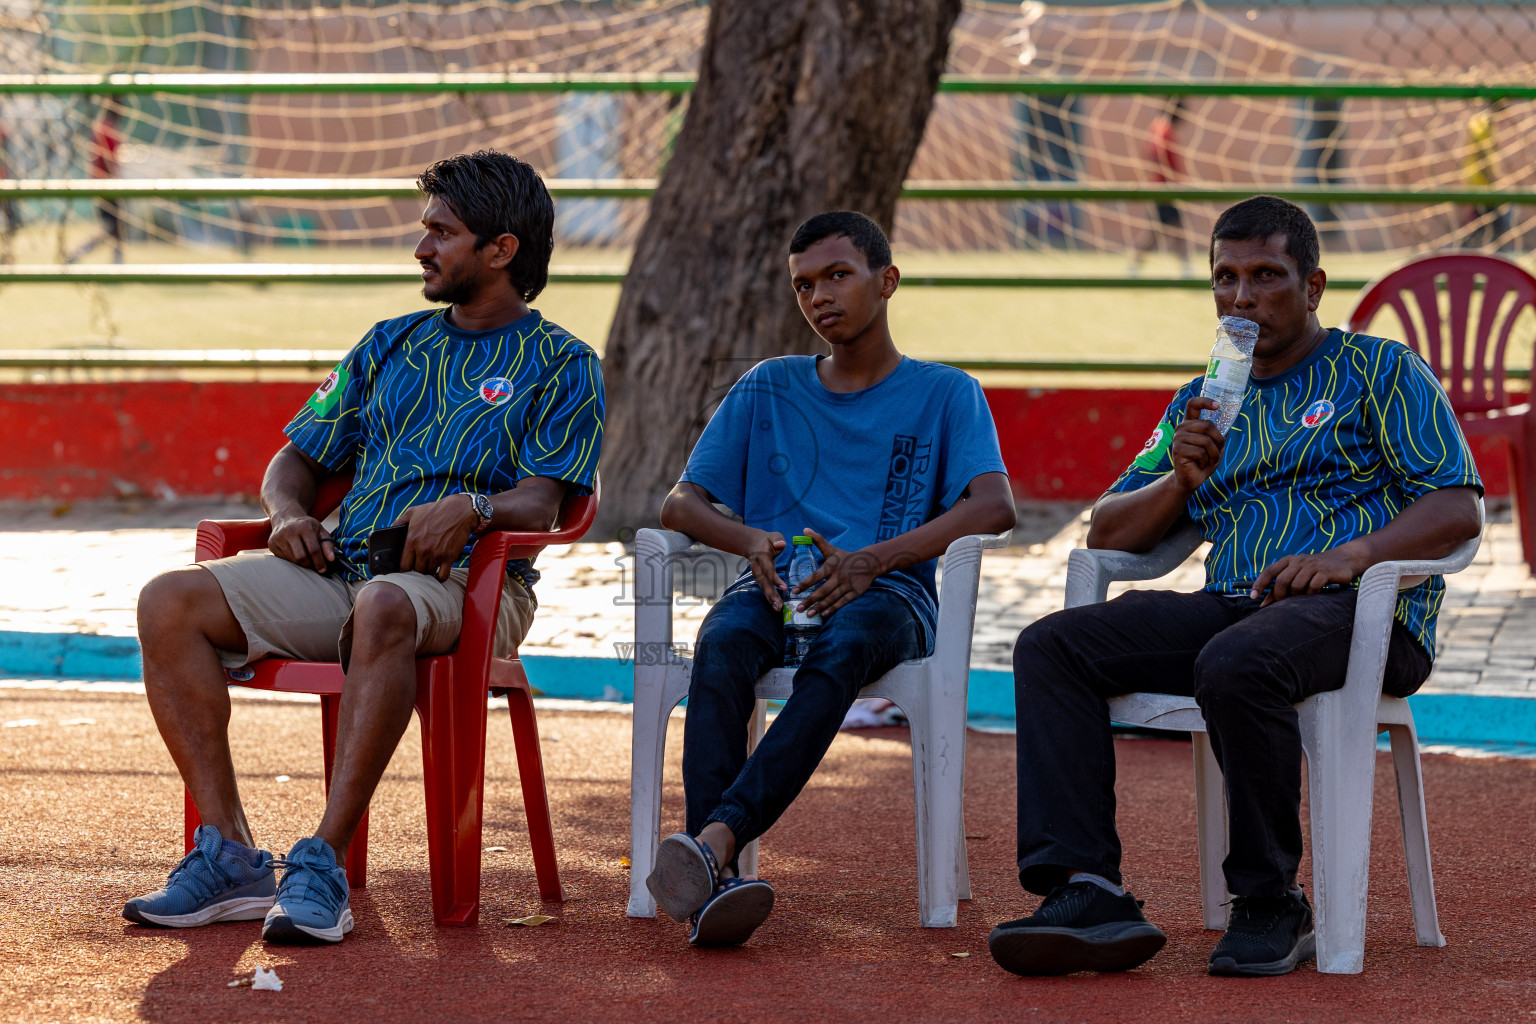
[191,84]
[673,83]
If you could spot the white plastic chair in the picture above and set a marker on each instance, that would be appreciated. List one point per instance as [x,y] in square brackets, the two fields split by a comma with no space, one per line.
[1338,731]
[930,691]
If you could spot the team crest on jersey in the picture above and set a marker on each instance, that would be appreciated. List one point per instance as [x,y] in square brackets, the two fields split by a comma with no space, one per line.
[329,392]
[496,391]
[1152,452]
[1318,413]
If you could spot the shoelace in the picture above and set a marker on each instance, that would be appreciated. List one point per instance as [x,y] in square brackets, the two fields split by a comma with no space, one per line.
[1246,911]
[330,893]
[204,883]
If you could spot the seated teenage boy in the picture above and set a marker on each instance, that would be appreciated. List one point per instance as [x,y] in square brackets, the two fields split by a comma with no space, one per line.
[883,461]
[1346,453]
[458,421]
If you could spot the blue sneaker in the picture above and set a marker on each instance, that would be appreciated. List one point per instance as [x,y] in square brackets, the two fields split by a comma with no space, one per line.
[217,881]
[311,902]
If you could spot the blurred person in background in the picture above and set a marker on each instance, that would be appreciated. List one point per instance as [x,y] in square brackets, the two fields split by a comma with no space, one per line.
[1489,225]
[1162,154]
[105,139]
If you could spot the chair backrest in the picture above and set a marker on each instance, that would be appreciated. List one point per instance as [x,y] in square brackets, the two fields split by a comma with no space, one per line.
[329,494]
[1466,351]
[576,512]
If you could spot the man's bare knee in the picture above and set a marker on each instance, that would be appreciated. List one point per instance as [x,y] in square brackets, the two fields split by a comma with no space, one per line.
[382,618]
[188,600]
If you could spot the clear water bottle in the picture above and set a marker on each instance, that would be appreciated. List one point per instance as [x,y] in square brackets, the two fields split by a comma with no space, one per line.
[800,629]
[1226,378]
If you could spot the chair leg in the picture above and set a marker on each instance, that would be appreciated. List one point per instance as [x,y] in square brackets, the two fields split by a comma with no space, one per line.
[647,756]
[530,769]
[190,819]
[1410,802]
[962,864]
[1522,474]
[1341,758]
[938,776]
[453,771]
[1211,830]
[357,851]
[746,857]
[962,853]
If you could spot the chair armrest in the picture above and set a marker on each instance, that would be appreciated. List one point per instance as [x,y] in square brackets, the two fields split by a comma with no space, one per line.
[957,595]
[656,552]
[1375,602]
[487,575]
[221,538]
[1090,571]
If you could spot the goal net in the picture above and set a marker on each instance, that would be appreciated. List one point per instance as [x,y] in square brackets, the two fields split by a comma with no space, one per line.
[1088,139]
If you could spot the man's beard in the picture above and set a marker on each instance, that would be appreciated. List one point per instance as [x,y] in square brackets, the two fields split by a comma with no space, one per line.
[448,290]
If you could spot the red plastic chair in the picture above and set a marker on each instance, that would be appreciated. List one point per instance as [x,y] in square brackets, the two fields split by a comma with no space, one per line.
[450,699]
[1467,352]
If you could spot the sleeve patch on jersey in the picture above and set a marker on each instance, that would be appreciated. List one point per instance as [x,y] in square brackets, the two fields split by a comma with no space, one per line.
[328,394]
[1152,452]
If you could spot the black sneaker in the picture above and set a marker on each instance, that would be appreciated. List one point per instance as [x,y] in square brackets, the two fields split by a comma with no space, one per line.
[1079,927]
[1267,935]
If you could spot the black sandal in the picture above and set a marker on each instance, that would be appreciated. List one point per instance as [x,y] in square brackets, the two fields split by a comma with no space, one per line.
[686,875]
[732,913]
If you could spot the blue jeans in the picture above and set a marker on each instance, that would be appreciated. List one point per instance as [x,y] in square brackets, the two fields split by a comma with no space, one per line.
[742,638]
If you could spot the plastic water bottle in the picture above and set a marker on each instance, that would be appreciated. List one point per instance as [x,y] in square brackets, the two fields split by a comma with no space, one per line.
[800,629]
[1226,377]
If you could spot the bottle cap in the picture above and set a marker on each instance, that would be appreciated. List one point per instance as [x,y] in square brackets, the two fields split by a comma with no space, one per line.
[802,540]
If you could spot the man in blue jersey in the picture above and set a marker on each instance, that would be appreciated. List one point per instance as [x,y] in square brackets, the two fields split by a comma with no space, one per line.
[881,461]
[481,416]
[1345,453]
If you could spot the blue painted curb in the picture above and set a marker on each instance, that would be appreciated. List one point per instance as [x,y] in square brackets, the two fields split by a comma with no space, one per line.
[1503,723]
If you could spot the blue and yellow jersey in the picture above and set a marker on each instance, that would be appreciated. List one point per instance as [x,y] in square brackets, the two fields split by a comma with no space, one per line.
[419,410]
[1329,451]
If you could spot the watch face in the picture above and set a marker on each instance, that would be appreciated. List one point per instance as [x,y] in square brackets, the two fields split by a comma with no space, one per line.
[484,509]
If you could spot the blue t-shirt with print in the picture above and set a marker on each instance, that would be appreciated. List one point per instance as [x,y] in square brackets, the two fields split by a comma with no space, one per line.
[419,410]
[1331,450]
[785,453]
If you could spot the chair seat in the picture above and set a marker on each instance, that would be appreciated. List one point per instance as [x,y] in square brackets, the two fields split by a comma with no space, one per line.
[778,684]
[1508,422]
[1181,714]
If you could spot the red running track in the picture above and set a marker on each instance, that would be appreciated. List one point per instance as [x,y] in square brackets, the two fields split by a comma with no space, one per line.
[89,813]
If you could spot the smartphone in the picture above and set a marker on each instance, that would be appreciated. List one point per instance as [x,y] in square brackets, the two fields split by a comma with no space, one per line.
[385,548]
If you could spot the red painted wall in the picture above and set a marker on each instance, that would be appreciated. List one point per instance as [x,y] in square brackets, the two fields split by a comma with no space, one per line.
[70,441]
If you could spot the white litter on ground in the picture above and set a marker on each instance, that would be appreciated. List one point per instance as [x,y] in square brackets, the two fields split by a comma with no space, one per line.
[266,981]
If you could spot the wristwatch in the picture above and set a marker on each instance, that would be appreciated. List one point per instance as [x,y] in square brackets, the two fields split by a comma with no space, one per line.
[484,510]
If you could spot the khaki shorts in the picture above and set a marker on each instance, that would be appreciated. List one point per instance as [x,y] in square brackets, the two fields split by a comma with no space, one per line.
[290,612]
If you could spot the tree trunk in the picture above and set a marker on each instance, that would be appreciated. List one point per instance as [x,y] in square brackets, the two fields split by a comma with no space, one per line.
[801,106]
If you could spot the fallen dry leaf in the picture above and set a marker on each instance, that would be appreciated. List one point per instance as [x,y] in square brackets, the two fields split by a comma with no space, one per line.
[531,921]
[624,862]
[975,835]
[495,849]
[960,956]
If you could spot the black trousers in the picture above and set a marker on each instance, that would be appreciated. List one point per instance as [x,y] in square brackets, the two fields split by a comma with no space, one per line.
[1245,666]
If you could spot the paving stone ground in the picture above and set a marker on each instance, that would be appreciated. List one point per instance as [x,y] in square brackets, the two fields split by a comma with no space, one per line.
[79,569]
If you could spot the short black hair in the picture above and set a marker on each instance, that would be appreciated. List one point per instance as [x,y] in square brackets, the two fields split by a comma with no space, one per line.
[1262,217]
[864,233]
[496,194]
